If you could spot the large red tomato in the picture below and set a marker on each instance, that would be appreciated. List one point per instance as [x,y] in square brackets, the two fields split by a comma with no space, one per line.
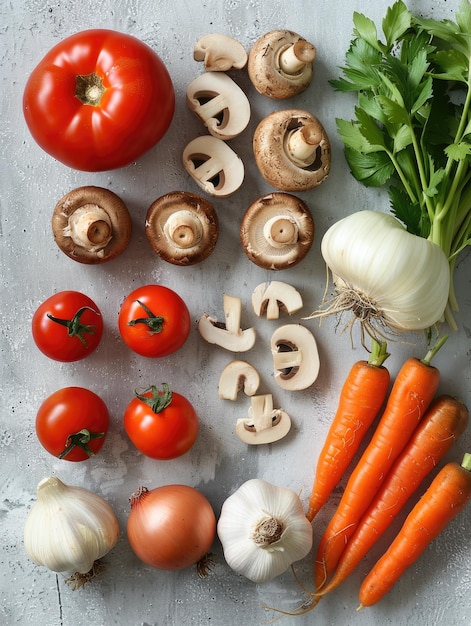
[154,321]
[161,424]
[98,100]
[72,423]
[67,327]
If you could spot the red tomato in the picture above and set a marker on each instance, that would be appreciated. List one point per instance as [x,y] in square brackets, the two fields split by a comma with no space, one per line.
[67,327]
[98,100]
[154,321]
[161,424]
[72,423]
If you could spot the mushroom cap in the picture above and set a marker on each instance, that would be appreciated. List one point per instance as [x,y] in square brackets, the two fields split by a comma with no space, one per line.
[182,228]
[108,233]
[272,156]
[266,70]
[277,231]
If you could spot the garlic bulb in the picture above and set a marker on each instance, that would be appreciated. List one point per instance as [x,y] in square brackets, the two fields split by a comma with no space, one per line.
[263,530]
[385,275]
[69,528]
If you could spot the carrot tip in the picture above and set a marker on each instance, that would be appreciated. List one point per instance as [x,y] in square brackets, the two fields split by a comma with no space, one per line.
[359,608]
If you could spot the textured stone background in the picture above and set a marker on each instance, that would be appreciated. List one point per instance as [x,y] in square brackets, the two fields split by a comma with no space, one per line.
[436,590]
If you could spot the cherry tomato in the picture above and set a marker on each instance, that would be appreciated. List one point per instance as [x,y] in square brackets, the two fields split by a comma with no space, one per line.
[161,424]
[154,321]
[72,423]
[67,327]
[98,100]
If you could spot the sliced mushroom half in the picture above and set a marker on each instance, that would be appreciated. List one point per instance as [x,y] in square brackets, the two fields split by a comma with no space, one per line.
[280,64]
[236,376]
[213,165]
[228,335]
[292,150]
[182,228]
[277,231]
[219,103]
[295,357]
[273,297]
[220,53]
[91,225]
[264,424]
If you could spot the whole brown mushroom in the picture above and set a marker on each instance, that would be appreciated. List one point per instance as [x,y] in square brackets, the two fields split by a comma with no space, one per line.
[91,225]
[182,228]
[292,150]
[280,64]
[277,231]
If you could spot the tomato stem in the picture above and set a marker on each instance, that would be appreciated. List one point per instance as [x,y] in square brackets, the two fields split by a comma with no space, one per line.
[89,89]
[80,440]
[157,400]
[153,322]
[74,326]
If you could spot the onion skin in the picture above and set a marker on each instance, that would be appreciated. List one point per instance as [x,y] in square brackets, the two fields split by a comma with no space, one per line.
[170,527]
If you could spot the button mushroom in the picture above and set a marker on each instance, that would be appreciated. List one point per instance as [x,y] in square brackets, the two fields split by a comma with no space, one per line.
[220,53]
[270,298]
[264,424]
[238,375]
[182,228]
[292,150]
[91,225]
[295,357]
[219,103]
[213,165]
[277,231]
[280,64]
[228,335]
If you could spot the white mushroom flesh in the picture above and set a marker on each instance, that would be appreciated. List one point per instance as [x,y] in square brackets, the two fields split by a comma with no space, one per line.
[219,103]
[213,165]
[220,53]
[238,375]
[295,357]
[264,424]
[270,298]
[90,227]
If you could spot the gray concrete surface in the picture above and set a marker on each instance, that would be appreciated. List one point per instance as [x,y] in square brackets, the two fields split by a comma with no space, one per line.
[436,590]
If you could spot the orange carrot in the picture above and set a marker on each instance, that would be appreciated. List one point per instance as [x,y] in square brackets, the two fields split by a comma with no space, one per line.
[362,396]
[411,394]
[443,423]
[447,495]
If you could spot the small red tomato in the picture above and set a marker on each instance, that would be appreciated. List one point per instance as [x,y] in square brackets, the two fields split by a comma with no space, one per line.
[154,321]
[67,327]
[98,100]
[161,424]
[72,423]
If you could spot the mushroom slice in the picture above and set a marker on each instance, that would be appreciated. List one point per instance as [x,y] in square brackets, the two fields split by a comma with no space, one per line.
[295,357]
[213,165]
[280,64]
[238,375]
[91,225]
[220,53]
[277,231]
[228,335]
[219,103]
[182,228]
[264,424]
[274,296]
[292,150]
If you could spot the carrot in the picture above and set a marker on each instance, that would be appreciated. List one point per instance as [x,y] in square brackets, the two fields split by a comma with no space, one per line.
[361,398]
[444,422]
[411,394]
[447,495]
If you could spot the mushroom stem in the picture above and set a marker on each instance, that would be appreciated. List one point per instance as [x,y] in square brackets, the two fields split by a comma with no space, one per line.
[89,227]
[280,231]
[301,144]
[184,229]
[293,58]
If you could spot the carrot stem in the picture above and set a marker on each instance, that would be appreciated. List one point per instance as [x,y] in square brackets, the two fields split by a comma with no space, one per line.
[433,351]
